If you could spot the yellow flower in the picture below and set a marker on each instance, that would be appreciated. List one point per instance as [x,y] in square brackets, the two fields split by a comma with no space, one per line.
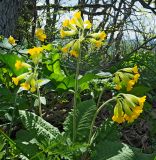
[74,53]
[72,21]
[126,77]
[118,113]
[142,100]
[67,33]
[19,64]
[136,112]
[135,69]
[65,23]
[77,14]
[95,42]
[87,24]
[130,85]
[62,33]
[118,87]
[42,37]
[98,44]
[40,34]
[136,77]
[20,77]
[118,119]
[11,40]
[128,118]
[64,49]
[128,108]
[25,86]
[1,38]
[33,89]
[15,80]
[77,20]
[36,54]
[36,51]
[100,35]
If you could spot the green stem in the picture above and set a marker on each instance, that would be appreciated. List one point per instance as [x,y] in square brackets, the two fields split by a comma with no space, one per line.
[38,92]
[95,115]
[75,97]
[76,86]
[100,96]
[39,101]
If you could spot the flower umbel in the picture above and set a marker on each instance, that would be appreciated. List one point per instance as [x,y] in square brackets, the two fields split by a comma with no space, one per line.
[126,77]
[75,27]
[128,108]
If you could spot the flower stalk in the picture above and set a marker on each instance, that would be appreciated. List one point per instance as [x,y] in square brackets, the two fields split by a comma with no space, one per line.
[95,115]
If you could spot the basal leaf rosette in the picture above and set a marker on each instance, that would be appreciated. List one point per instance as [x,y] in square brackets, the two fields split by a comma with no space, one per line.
[128,108]
[75,27]
[126,77]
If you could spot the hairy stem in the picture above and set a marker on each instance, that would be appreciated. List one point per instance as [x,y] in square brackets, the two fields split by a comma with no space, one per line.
[94,118]
[75,97]
[38,92]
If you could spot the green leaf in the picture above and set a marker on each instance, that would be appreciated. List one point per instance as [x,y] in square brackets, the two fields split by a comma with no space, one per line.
[24,140]
[108,146]
[107,150]
[42,82]
[140,90]
[57,77]
[42,99]
[85,113]
[43,130]
[67,83]
[84,80]
[107,131]
[10,60]
[6,44]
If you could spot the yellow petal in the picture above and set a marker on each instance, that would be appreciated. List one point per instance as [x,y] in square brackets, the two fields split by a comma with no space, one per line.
[130,85]
[11,40]
[135,69]
[15,80]
[142,100]
[87,24]
[74,53]
[118,87]
[25,86]
[136,77]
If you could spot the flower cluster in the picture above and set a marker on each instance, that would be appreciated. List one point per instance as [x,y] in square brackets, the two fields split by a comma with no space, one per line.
[76,26]
[40,34]
[126,77]
[36,54]
[128,108]
[29,79]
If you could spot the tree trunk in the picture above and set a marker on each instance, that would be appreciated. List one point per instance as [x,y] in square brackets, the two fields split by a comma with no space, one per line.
[9,11]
